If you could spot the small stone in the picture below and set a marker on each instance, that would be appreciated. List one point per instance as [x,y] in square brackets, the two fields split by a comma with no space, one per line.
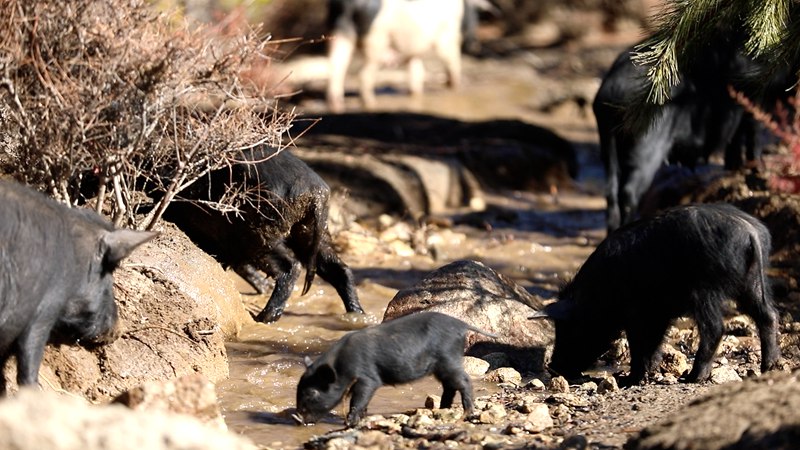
[673,362]
[535,384]
[504,375]
[447,414]
[668,379]
[432,401]
[539,419]
[607,384]
[590,387]
[374,439]
[525,404]
[561,412]
[725,374]
[493,415]
[558,384]
[514,429]
[421,420]
[475,366]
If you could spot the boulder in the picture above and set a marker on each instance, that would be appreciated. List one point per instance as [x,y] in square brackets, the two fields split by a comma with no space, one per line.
[34,419]
[486,300]
[763,413]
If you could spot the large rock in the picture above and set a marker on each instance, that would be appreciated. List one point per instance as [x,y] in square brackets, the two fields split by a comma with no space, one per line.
[487,300]
[44,420]
[758,414]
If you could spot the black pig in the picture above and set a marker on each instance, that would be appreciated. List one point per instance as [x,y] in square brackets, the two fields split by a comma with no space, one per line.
[394,352]
[287,222]
[56,283]
[686,260]
[699,119]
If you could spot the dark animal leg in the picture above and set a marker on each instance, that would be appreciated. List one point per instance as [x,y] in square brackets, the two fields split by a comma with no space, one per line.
[645,345]
[455,379]
[29,351]
[286,270]
[253,276]
[361,393]
[766,319]
[708,315]
[331,268]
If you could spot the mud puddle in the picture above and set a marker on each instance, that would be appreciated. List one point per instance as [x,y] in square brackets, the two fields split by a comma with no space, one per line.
[267,360]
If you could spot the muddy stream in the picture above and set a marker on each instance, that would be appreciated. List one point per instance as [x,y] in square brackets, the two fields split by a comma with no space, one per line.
[548,240]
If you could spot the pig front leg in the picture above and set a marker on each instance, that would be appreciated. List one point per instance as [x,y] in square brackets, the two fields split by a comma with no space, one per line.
[710,326]
[361,393]
[286,270]
[29,351]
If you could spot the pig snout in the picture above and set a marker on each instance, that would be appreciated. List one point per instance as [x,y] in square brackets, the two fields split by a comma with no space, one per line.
[102,337]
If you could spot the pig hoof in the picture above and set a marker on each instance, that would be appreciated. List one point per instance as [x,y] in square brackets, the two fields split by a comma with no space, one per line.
[264,317]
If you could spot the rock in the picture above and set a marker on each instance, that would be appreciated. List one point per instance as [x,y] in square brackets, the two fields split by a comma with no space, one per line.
[539,419]
[558,384]
[475,366]
[192,395]
[535,384]
[44,420]
[504,375]
[495,414]
[607,384]
[487,300]
[724,374]
[673,362]
[590,388]
[762,413]
[433,401]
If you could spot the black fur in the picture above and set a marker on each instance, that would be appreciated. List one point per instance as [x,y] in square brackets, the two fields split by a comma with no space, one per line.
[685,261]
[398,351]
[287,222]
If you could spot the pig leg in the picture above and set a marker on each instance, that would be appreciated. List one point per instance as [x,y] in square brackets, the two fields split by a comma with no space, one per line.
[360,395]
[766,319]
[285,270]
[455,379]
[708,315]
[253,276]
[645,345]
[333,270]
[416,76]
[30,349]
[340,53]
[448,49]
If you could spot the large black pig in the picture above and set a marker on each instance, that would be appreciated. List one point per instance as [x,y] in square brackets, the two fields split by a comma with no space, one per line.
[699,119]
[285,223]
[685,261]
[56,284]
[398,351]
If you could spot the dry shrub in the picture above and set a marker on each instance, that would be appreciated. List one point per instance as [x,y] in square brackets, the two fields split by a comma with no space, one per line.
[106,98]
[784,124]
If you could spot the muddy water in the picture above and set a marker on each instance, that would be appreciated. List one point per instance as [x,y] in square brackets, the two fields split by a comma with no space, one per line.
[542,248]
[266,361]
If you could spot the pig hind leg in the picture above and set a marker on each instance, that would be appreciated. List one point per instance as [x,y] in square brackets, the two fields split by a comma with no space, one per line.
[333,270]
[285,269]
[454,379]
[708,315]
[757,303]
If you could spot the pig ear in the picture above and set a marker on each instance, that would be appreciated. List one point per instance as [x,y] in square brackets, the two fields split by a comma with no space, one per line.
[120,243]
[325,374]
[560,310]
[307,361]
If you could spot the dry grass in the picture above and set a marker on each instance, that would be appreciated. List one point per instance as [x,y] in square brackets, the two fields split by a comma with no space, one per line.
[103,99]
